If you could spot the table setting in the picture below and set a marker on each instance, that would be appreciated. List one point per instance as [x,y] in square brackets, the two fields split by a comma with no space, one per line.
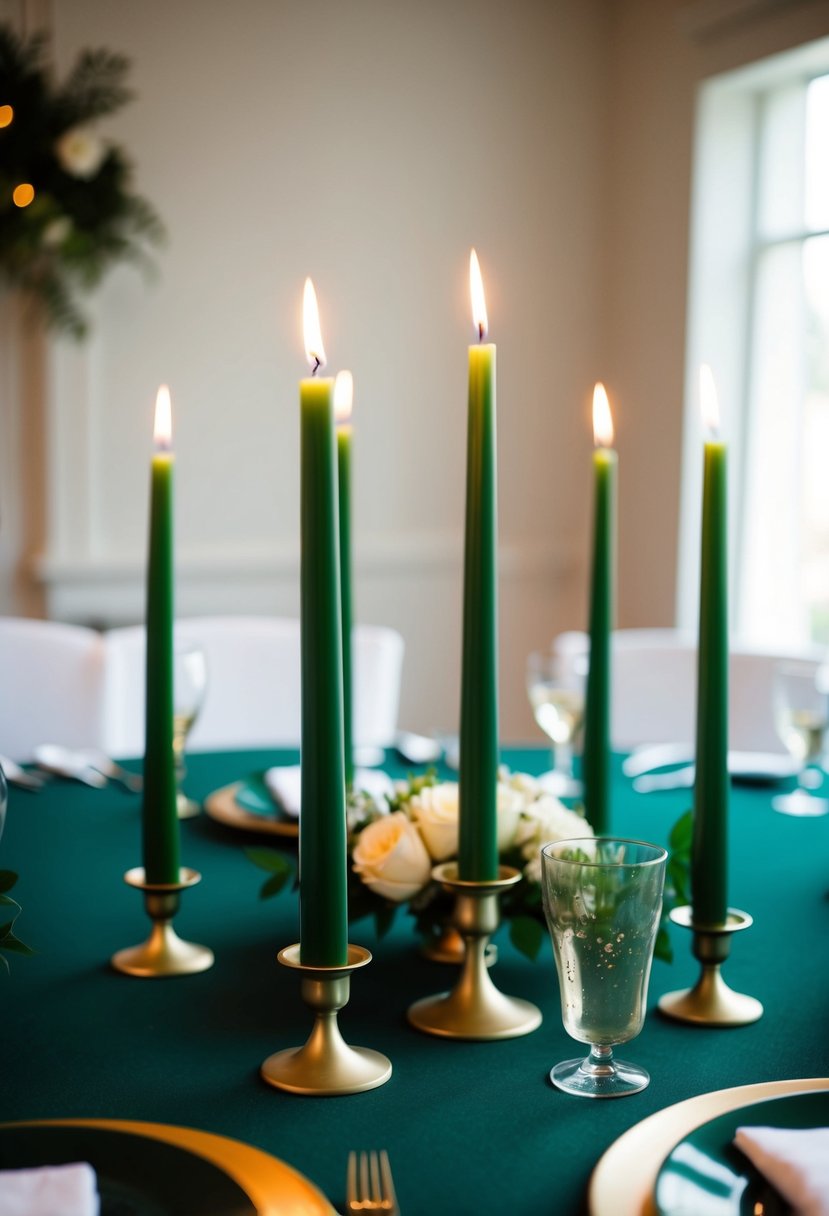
[238,1057]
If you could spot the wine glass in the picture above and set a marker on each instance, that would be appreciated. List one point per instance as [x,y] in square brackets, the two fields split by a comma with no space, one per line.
[4,799]
[602,901]
[189,688]
[555,687]
[801,716]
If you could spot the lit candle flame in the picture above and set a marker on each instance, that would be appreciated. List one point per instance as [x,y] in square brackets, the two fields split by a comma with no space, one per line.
[602,419]
[476,288]
[708,400]
[343,396]
[163,429]
[314,349]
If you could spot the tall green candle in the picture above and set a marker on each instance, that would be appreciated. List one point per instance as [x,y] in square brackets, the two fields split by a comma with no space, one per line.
[160,818]
[478,776]
[596,760]
[709,851]
[323,909]
[343,399]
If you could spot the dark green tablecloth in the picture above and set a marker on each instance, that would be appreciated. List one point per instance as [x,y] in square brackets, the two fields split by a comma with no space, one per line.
[471,1127]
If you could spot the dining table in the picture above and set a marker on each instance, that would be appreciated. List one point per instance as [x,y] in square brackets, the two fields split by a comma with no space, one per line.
[470,1127]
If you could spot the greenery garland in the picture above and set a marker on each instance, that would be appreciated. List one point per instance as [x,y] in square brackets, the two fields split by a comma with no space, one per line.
[67,211]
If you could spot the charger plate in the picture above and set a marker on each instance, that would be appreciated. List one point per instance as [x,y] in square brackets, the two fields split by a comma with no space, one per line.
[248,805]
[144,1168]
[622,1184]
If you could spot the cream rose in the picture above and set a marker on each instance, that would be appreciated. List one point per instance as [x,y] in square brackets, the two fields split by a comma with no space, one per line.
[511,802]
[80,152]
[548,819]
[391,859]
[435,811]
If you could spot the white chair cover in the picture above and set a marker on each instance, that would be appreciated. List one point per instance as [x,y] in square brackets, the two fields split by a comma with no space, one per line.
[253,693]
[51,678]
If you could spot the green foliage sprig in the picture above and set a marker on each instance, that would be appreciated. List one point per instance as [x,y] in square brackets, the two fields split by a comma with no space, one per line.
[83,216]
[9,942]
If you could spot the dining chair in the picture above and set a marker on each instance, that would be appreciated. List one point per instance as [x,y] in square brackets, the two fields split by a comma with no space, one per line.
[51,682]
[253,684]
[654,682]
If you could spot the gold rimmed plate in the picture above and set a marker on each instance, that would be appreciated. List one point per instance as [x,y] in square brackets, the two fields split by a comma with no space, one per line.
[156,1169]
[249,805]
[623,1182]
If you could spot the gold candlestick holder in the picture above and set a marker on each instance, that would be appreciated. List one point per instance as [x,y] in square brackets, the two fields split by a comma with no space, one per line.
[447,947]
[326,1065]
[475,1008]
[711,1002]
[163,953]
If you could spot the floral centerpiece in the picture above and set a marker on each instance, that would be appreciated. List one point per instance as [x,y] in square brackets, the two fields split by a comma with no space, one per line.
[394,843]
[67,209]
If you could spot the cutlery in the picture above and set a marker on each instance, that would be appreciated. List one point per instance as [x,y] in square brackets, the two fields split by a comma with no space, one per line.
[656,755]
[64,763]
[417,749]
[746,767]
[758,766]
[16,775]
[678,779]
[102,762]
[369,1185]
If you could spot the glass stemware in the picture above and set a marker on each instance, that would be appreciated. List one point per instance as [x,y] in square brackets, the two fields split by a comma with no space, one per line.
[602,901]
[801,715]
[4,799]
[555,688]
[189,688]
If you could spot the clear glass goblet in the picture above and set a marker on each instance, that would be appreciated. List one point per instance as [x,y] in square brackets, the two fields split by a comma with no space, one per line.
[4,800]
[189,689]
[555,687]
[602,901]
[801,716]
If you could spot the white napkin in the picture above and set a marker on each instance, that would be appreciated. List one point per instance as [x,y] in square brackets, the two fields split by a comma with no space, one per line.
[794,1160]
[52,1190]
[285,786]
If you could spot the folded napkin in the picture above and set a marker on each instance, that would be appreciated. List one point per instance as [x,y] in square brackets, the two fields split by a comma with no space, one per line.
[285,785]
[52,1190]
[794,1160]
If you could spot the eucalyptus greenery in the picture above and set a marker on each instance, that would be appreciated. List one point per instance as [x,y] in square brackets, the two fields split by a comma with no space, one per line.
[9,942]
[81,216]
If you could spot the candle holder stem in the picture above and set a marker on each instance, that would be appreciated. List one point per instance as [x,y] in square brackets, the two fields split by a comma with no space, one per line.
[326,1065]
[163,953]
[475,1008]
[711,1002]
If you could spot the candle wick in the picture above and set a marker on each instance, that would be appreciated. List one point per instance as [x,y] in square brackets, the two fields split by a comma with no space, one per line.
[317,365]
[480,331]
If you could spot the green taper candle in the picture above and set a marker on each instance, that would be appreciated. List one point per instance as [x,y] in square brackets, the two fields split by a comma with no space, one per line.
[596,757]
[709,851]
[323,908]
[160,817]
[478,775]
[343,399]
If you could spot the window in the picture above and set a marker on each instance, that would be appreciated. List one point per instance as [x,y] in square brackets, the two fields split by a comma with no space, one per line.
[759,313]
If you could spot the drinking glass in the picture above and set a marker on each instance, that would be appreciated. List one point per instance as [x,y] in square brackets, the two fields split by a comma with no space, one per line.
[602,901]
[189,688]
[556,690]
[801,716]
[4,800]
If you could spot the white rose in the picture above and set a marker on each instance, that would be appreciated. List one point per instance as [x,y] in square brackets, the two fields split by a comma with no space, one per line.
[391,858]
[435,811]
[80,152]
[511,803]
[548,819]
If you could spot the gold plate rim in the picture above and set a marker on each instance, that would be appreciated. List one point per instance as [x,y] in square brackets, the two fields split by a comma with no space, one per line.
[222,806]
[623,1180]
[273,1186]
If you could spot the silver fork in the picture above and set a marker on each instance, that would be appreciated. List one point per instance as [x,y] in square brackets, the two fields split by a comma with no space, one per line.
[369,1185]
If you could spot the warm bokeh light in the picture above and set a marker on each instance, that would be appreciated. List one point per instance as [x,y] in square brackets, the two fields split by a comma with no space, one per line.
[602,418]
[6,116]
[23,194]
[311,326]
[163,430]
[708,399]
[343,396]
[476,288]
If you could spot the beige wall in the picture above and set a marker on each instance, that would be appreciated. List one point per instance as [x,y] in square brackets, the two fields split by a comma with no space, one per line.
[370,144]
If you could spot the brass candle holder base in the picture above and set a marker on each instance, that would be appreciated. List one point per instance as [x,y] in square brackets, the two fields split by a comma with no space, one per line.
[326,1065]
[447,947]
[163,953]
[475,1009]
[711,1002]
